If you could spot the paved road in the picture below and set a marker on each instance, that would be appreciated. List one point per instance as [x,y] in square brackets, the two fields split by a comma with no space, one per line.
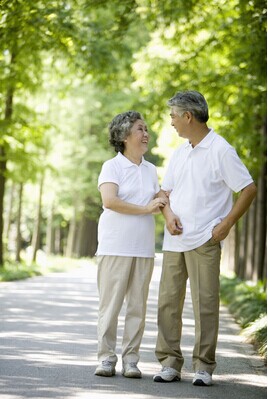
[48,346]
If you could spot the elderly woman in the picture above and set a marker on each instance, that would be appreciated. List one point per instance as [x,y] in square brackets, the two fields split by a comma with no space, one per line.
[128,185]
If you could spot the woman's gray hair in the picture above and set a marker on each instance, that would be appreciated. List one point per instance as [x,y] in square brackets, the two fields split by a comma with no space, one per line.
[192,101]
[120,128]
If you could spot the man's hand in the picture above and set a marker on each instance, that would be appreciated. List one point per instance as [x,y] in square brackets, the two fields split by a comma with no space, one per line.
[221,231]
[173,224]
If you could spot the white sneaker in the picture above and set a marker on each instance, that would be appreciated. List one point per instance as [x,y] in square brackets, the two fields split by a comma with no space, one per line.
[105,369]
[167,374]
[130,370]
[202,378]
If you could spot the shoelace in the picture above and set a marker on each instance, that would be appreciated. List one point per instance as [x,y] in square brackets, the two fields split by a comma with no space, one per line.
[132,364]
[107,363]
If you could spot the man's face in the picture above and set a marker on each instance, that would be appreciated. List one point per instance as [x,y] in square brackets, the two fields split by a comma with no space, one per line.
[178,120]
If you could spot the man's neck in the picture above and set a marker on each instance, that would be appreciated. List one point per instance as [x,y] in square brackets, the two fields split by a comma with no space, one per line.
[198,134]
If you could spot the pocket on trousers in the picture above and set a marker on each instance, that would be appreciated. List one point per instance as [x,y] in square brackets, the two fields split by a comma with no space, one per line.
[212,242]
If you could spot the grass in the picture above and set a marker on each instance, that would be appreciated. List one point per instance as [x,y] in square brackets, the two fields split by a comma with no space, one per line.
[45,264]
[248,304]
[18,271]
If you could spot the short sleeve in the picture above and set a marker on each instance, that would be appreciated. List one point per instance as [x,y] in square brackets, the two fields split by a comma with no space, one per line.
[168,180]
[109,173]
[156,183]
[234,172]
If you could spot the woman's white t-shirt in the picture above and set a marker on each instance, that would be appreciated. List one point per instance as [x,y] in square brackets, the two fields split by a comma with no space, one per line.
[121,234]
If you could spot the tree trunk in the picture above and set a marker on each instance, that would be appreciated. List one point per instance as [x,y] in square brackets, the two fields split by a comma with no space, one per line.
[86,242]
[242,245]
[260,232]
[2,194]
[3,166]
[71,234]
[249,255]
[36,234]
[7,223]
[58,240]
[237,246]
[50,233]
[18,235]
[228,252]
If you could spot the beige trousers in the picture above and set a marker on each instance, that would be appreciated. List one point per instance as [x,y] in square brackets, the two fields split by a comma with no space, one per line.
[122,278]
[202,266]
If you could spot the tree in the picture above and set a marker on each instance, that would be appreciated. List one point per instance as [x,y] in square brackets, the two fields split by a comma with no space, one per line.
[218,48]
[88,60]
[31,30]
[26,30]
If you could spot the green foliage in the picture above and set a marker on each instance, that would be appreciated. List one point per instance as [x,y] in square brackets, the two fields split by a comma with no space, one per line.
[49,264]
[218,48]
[27,29]
[67,67]
[18,271]
[109,35]
[49,54]
[248,303]
[256,332]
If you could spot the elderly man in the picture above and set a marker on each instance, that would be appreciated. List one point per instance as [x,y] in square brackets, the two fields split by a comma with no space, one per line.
[201,177]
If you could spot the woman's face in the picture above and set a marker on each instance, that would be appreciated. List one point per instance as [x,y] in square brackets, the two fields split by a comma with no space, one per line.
[139,138]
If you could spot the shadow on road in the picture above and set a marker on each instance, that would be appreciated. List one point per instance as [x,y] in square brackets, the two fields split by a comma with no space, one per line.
[48,346]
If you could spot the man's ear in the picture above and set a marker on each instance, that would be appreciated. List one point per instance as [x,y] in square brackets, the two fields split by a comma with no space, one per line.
[189,116]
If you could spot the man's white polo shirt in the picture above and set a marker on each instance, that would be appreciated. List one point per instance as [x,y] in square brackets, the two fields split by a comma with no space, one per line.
[121,234]
[202,180]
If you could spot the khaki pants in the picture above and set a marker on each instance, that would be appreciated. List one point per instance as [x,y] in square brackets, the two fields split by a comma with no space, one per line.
[122,278]
[202,266]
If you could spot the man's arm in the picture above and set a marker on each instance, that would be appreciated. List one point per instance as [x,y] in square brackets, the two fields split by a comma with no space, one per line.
[173,222]
[242,204]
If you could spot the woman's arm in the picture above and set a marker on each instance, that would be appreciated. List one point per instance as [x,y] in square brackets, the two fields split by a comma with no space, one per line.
[110,200]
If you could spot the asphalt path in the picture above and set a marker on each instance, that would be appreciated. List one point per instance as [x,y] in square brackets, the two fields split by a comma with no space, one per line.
[48,346]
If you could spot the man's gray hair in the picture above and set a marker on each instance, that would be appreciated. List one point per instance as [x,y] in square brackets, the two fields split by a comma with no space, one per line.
[120,128]
[191,101]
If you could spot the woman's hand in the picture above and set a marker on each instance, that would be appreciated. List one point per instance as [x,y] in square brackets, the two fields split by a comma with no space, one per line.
[110,200]
[155,205]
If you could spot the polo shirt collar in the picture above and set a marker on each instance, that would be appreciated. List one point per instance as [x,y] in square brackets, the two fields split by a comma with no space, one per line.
[126,163]
[206,142]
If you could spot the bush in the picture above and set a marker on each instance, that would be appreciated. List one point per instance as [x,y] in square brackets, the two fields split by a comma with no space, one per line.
[18,271]
[248,304]
[13,270]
